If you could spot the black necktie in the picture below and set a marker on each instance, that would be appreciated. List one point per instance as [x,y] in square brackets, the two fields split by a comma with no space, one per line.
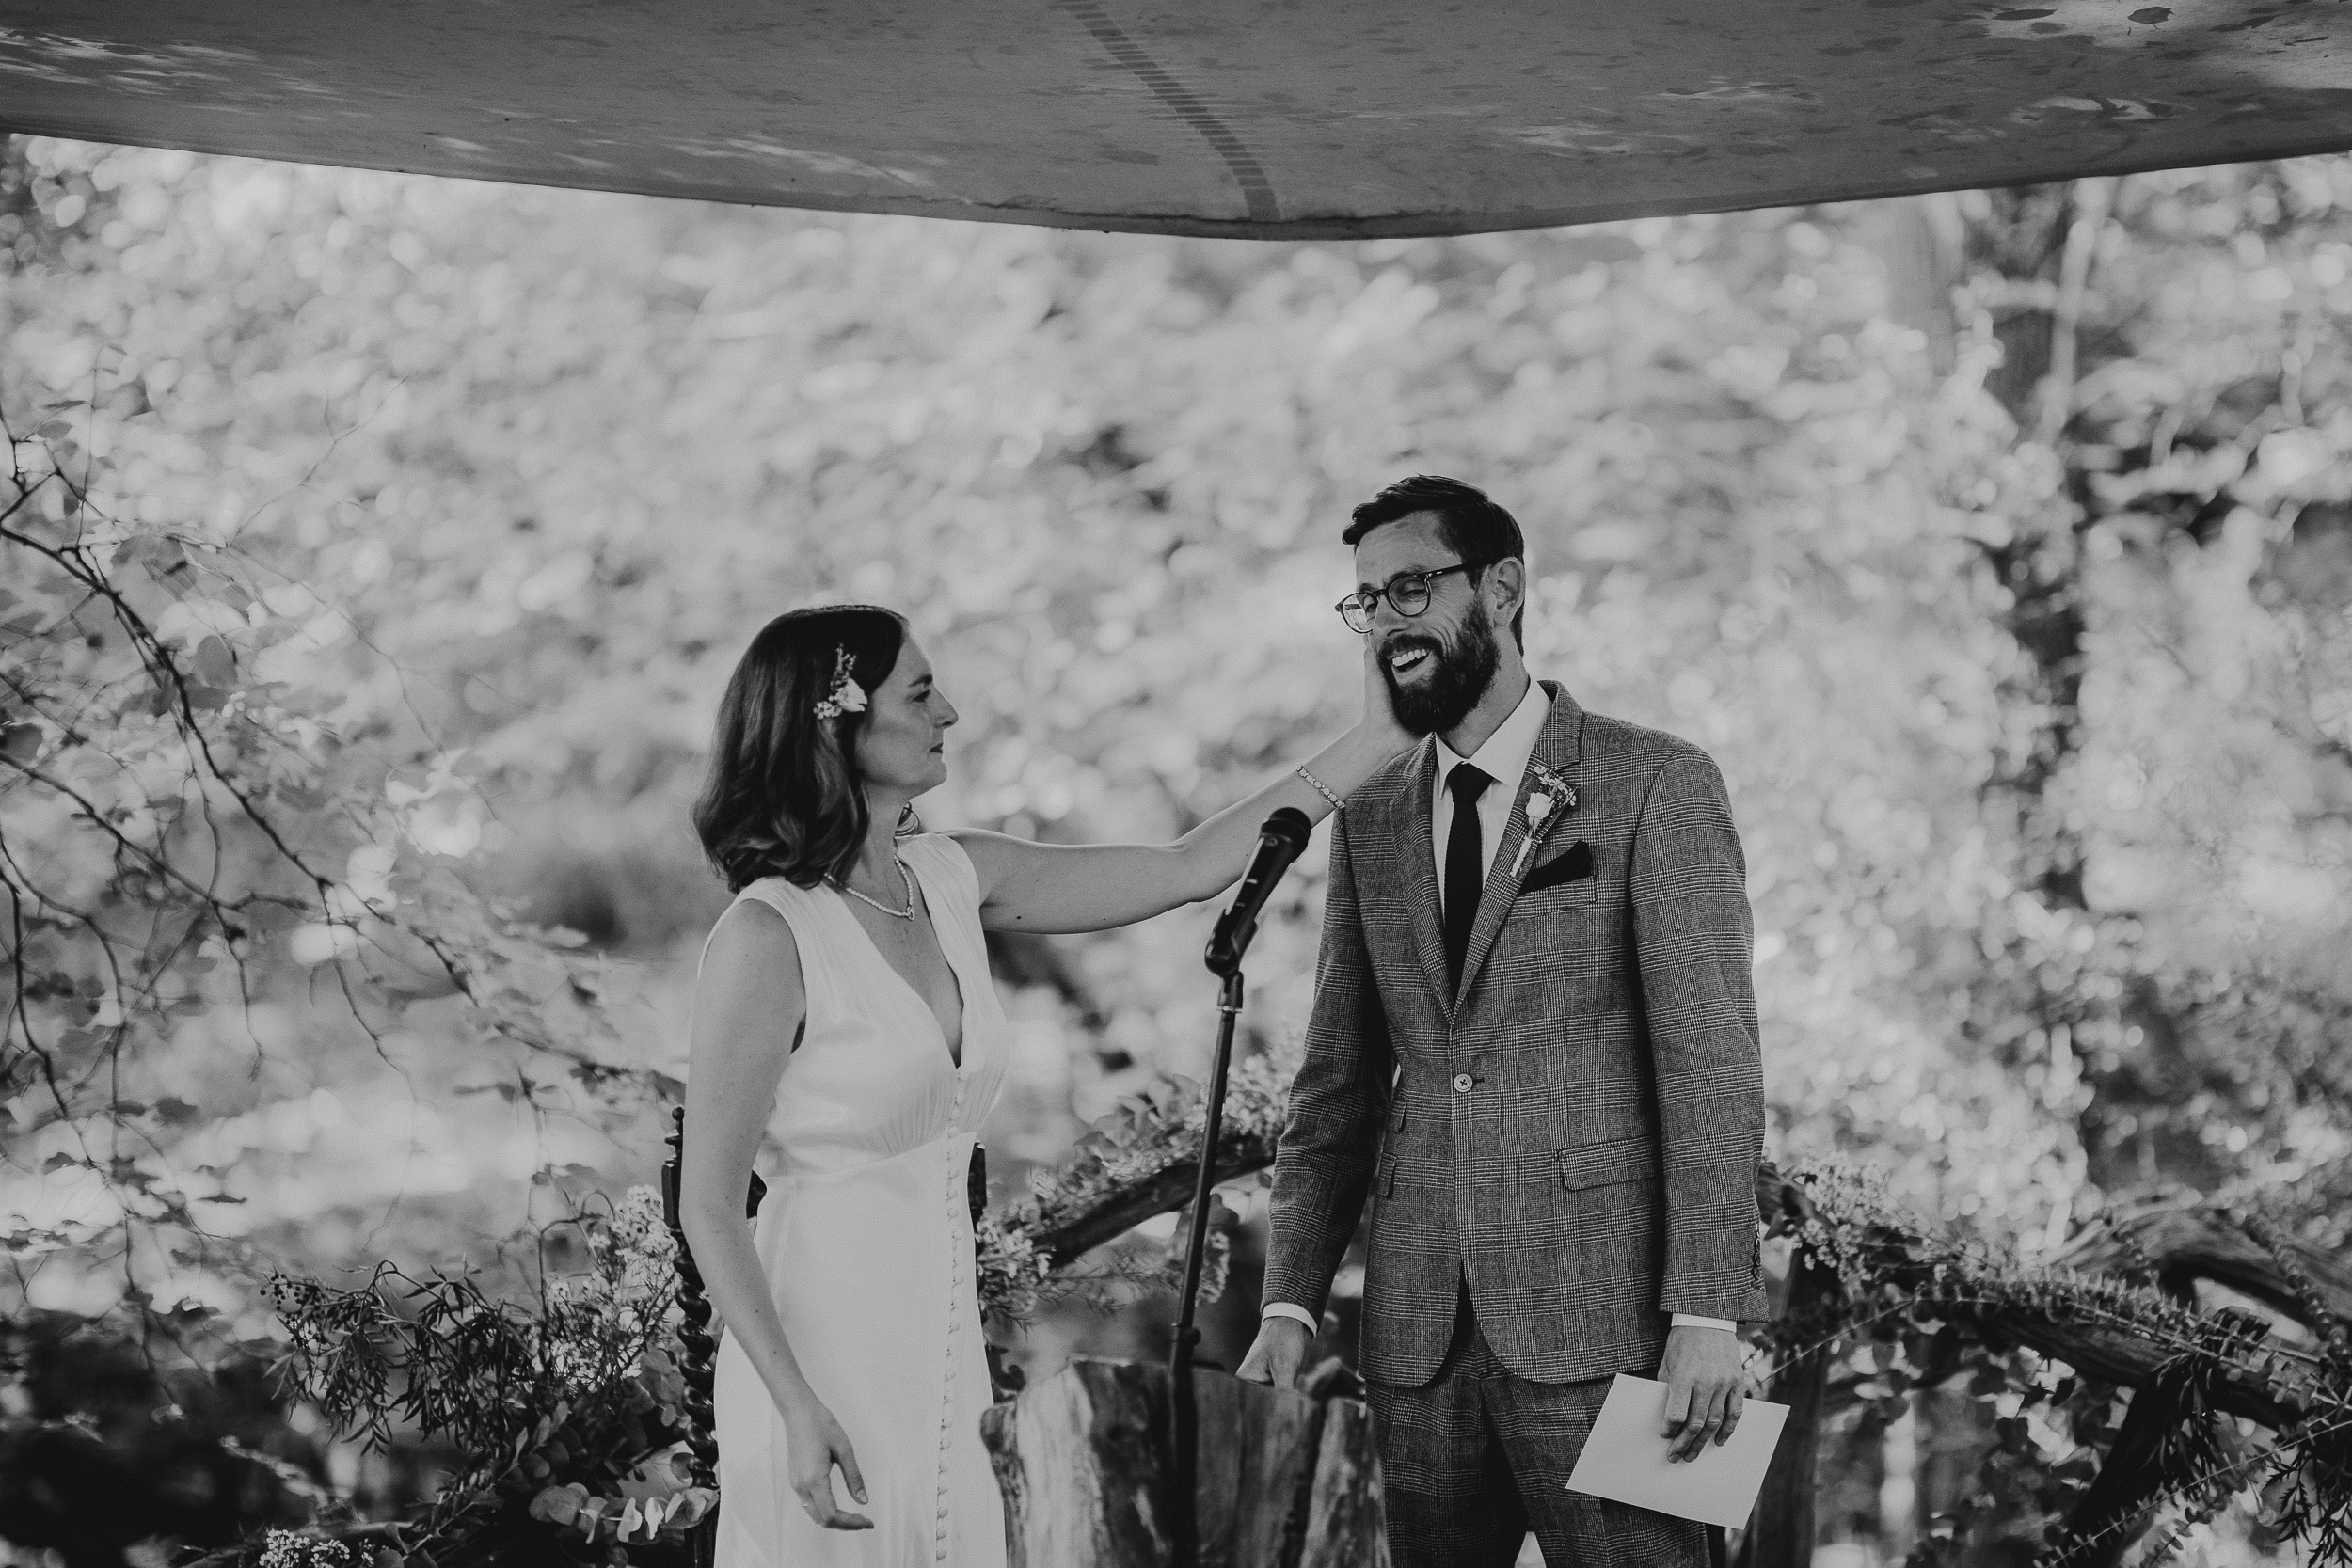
[1465,864]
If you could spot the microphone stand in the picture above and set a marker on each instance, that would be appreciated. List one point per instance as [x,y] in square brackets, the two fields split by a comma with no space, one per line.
[1184,1419]
[1278,844]
[1230,940]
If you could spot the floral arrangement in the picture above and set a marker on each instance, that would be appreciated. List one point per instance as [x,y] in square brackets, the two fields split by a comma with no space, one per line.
[1136,1163]
[572,1410]
[1013,1276]
[287,1548]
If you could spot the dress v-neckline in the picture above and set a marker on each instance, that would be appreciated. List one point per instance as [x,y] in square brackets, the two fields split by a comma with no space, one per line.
[955,1049]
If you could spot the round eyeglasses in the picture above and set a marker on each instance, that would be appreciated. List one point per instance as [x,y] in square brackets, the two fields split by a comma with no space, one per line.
[1407,593]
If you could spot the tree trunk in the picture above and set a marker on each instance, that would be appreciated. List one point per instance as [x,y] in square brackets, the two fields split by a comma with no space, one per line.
[1283,1480]
[1782,1534]
[1918,238]
[1077,1458]
[1345,1525]
[1955,1429]
[1848,1476]
[2111,1507]
[2020,239]
[2033,251]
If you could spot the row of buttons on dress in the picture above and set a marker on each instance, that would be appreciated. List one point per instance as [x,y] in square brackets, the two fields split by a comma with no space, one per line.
[953,1194]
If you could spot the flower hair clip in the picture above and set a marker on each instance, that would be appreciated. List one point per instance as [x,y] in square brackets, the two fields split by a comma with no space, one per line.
[847,696]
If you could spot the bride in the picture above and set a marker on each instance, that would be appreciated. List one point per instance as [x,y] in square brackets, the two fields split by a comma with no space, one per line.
[847,1038]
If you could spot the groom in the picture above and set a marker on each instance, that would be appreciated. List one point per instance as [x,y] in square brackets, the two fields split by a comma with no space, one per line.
[1534,1048]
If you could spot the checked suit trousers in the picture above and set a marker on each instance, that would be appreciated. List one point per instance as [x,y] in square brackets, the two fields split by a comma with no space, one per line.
[1475,1458]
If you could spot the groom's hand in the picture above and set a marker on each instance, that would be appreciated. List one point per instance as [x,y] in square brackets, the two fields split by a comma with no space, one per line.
[1703,1388]
[1275,1355]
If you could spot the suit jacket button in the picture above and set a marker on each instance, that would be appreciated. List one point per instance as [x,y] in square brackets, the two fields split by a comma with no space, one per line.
[1461,1082]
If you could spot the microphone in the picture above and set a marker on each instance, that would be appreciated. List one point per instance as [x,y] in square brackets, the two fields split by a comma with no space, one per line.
[1278,844]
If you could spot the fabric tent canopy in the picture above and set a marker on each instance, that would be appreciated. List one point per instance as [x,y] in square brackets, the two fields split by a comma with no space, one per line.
[1258,118]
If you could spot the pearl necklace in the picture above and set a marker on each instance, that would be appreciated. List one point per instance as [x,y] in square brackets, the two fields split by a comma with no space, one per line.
[907,914]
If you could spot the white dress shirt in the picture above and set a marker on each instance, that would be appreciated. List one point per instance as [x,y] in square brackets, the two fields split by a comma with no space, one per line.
[1503,758]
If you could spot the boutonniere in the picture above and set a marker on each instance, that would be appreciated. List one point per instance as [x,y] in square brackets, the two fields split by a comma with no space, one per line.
[1552,798]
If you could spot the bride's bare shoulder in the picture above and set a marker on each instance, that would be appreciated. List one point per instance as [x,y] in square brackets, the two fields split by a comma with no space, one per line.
[988,853]
[751,938]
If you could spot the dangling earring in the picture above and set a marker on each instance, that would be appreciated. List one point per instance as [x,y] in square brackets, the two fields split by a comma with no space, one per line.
[909,823]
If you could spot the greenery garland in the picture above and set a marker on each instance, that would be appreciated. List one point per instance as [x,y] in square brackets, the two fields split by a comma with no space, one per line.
[571,1406]
[1931,1308]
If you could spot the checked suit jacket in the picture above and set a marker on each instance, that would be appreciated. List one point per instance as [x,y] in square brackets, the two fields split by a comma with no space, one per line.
[1575,1130]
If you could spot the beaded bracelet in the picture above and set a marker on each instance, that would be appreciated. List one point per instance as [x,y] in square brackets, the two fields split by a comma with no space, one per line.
[1321,788]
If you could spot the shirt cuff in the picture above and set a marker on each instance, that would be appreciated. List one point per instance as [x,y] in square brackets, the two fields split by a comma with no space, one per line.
[1293,1311]
[1686,1320]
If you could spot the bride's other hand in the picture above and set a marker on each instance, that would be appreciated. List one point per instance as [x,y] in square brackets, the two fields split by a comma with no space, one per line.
[817,1443]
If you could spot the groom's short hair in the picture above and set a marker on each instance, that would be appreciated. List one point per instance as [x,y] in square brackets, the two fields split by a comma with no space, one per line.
[1474,528]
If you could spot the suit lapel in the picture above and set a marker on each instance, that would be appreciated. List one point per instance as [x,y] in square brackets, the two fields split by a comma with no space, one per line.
[1557,749]
[1421,875]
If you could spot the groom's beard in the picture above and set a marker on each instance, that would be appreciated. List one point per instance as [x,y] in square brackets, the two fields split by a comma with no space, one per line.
[1459,674]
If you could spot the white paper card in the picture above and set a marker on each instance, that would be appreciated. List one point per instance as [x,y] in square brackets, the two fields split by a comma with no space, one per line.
[1625,1459]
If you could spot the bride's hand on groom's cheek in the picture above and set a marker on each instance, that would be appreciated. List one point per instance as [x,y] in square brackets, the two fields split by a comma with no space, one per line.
[1379,719]
[1705,1388]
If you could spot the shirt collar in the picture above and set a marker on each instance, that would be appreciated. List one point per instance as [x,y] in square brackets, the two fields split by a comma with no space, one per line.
[1504,756]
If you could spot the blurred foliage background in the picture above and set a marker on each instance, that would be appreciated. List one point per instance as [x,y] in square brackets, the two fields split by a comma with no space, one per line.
[1998,545]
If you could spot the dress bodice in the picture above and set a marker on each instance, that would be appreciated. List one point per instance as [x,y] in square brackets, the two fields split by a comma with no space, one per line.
[872,1077]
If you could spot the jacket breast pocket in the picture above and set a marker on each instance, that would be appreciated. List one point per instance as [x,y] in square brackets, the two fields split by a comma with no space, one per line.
[1567,879]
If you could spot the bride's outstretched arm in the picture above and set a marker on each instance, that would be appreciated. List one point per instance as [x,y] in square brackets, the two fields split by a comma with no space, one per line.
[749,1008]
[1092,887]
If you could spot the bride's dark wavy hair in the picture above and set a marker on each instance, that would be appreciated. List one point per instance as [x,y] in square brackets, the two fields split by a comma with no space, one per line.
[783,796]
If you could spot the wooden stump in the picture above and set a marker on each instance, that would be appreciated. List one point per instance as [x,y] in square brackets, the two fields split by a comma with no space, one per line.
[1284,1481]
[1345,1524]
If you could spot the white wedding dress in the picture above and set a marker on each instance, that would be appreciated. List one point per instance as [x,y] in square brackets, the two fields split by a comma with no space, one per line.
[865,1238]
